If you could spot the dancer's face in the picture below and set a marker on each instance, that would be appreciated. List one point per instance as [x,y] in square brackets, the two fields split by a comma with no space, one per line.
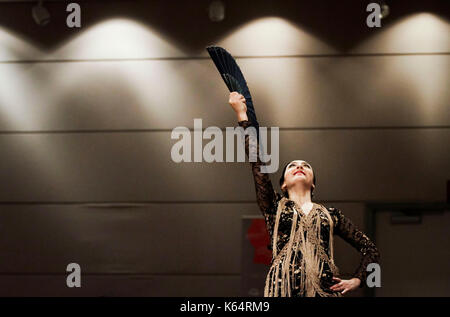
[298,171]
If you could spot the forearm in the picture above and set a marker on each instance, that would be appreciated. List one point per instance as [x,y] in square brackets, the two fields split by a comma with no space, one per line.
[242,116]
[370,254]
[265,194]
[360,241]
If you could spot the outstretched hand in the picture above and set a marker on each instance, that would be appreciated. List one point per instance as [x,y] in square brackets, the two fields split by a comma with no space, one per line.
[345,286]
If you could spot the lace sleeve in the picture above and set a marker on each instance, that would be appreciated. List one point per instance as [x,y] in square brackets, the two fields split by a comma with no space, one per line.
[265,194]
[344,228]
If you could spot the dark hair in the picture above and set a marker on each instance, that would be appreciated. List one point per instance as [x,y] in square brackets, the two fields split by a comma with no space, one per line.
[282,181]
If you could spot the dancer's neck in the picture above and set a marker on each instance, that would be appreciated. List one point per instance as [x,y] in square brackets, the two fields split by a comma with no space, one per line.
[302,199]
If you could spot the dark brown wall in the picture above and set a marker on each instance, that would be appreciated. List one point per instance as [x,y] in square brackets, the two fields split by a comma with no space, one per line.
[86,117]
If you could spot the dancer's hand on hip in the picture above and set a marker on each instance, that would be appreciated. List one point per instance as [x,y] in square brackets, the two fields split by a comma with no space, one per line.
[237,102]
[345,286]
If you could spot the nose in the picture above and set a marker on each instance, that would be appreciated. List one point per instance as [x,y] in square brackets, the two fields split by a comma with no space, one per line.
[299,168]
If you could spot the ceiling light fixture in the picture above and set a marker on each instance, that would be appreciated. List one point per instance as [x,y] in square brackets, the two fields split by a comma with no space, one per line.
[384,9]
[216,11]
[40,14]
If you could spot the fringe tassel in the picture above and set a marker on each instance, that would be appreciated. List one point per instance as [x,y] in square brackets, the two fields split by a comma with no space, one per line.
[304,238]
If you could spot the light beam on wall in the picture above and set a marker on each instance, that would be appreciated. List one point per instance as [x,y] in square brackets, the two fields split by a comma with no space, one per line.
[418,33]
[273,36]
[424,78]
[118,38]
[15,47]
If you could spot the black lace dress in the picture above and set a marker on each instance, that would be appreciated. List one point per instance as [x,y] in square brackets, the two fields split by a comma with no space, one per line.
[268,201]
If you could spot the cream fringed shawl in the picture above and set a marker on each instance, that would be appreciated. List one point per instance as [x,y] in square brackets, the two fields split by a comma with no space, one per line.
[304,238]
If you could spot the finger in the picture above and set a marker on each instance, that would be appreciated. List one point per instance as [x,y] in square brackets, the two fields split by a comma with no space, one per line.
[339,287]
[337,279]
[344,291]
[337,284]
[336,287]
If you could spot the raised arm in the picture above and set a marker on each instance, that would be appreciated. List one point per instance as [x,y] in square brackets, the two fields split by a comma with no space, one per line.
[265,194]
[344,227]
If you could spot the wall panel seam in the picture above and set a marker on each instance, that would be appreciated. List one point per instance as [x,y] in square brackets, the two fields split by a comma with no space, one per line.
[339,55]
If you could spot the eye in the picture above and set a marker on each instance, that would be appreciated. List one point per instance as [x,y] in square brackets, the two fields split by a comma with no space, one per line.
[306,164]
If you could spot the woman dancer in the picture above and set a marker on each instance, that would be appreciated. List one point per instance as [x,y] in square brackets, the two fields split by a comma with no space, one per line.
[302,231]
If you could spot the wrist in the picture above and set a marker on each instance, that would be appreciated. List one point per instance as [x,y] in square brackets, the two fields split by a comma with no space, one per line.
[242,116]
[357,281]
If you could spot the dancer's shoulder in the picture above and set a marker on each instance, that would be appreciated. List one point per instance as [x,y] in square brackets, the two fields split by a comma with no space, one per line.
[332,208]
[334,211]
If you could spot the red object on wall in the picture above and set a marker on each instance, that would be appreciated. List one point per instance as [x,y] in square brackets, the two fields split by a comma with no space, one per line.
[259,238]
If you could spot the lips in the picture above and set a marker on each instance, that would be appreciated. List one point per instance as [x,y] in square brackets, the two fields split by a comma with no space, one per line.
[299,172]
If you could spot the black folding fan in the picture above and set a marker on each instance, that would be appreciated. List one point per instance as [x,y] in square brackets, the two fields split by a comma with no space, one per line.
[233,78]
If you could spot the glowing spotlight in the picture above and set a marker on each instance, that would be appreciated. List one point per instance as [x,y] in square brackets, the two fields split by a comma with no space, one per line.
[40,14]
[384,9]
